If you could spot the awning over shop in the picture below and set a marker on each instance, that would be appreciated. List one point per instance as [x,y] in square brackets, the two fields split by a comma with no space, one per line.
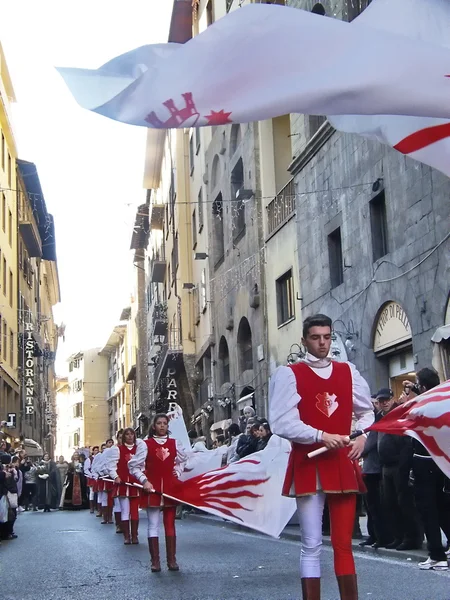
[221,425]
[32,448]
[441,333]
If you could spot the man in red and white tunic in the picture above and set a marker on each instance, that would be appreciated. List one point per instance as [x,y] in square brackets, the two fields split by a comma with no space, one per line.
[98,483]
[124,492]
[158,462]
[311,404]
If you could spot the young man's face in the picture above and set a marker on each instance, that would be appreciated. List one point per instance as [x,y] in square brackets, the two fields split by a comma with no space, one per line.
[109,443]
[318,341]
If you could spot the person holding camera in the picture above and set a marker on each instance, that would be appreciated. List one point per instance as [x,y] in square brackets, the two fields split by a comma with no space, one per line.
[430,484]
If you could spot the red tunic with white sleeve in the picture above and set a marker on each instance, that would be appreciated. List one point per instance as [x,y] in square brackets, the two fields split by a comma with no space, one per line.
[121,489]
[327,405]
[159,470]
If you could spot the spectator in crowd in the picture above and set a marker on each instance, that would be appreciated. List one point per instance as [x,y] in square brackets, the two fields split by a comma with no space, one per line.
[248,444]
[220,441]
[247,413]
[264,435]
[430,484]
[29,471]
[376,522]
[395,454]
[234,434]
[47,484]
[197,442]
[8,490]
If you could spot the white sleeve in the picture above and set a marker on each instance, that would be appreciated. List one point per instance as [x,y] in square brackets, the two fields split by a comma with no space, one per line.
[111,461]
[87,467]
[362,402]
[95,465]
[284,417]
[136,464]
[102,468]
[181,459]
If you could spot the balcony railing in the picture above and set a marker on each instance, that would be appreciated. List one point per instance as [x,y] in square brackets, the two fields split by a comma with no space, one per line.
[281,208]
[204,392]
[159,265]
[159,319]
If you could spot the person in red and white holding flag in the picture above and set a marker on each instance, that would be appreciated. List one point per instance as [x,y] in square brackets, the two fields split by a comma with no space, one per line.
[157,464]
[311,404]
[127,495]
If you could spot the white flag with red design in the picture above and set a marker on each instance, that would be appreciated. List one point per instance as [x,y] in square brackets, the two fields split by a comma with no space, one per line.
[426,419]
[247,492]
[256,63]
[424,139]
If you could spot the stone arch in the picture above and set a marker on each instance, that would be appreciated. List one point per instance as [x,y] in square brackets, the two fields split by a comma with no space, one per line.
[245,345]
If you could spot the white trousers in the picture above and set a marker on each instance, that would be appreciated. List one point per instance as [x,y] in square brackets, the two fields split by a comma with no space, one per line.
[310,511]
[153,519]
[104,498]
[91,493]
[117,505]
[124,508]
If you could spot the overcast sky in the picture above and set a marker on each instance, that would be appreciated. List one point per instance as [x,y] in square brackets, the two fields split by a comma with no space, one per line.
[91,168]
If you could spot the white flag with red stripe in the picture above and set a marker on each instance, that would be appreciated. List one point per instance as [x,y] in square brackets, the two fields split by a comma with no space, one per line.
[426,419]
[424,139]
[257,62]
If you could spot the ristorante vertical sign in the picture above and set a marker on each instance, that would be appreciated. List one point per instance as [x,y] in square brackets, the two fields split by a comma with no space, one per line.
[29,369]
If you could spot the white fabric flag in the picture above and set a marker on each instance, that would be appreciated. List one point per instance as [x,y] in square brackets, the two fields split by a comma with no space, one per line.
[424,139]
[247,492]
[262,61]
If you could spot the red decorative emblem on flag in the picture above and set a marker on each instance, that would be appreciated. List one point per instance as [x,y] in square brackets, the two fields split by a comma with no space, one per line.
[162,453]
[327,403]
[186,116]
[219,118]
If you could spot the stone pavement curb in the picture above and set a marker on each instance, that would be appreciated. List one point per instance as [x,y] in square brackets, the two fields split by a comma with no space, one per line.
[291,533]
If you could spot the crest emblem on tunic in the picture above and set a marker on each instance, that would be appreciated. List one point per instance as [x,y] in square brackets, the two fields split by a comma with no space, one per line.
[162,453]
[327,403]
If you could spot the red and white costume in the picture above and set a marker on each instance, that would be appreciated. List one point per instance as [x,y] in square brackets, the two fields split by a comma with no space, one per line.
[89,480]
[159,461]
[307,399]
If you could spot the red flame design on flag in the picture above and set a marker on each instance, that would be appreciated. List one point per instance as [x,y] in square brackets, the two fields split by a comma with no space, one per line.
[216,490]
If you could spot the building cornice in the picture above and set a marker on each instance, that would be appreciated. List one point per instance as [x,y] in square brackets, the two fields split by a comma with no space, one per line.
[313,146]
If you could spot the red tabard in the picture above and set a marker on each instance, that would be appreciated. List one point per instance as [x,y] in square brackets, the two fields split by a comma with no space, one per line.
[159,468]
[125,491]
[327,405]
[100,485]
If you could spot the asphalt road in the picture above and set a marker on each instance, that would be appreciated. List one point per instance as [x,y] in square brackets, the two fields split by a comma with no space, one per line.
[70,556]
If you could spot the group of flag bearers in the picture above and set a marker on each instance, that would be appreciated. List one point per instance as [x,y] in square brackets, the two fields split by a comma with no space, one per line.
[132,474]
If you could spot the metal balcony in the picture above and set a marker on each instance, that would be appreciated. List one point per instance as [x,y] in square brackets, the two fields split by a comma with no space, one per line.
[159,319]
[281,208]
[159,266]
[157,216]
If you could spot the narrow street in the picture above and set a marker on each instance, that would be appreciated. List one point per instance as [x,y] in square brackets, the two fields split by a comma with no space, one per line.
[71,556]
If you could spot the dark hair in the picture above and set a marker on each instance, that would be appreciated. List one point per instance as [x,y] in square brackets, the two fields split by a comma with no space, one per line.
[428,378]
[220,438]
[109,440]
[192,434]
[266,427]
[233,430]
[126,430]
[151,431]
[120,432]
[316,321]
[255,426]
[103,446]
[95,448]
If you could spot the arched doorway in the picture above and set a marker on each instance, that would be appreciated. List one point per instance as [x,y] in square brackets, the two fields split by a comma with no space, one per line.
[245,347]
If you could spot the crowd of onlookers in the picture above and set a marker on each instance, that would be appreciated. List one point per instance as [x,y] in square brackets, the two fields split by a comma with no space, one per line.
[27,484]
[408,496]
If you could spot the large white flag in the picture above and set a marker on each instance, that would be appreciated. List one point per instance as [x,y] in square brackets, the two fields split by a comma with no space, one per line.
[424,139]
[247,492]
[266,60]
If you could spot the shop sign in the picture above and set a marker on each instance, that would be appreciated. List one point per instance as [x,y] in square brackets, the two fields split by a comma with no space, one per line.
[29,369]
[392,327]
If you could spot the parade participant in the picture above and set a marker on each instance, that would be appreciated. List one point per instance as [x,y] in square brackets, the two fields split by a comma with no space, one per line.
[98,482]
[311,404]
[47,484]
[126,495]
[158,461]
[89,478]
[106,487]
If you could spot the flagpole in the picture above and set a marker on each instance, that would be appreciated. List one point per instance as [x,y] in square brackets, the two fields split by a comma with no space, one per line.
[324,449]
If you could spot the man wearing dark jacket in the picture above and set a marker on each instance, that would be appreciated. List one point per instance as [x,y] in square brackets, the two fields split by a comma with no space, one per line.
[379,537]
[395,452]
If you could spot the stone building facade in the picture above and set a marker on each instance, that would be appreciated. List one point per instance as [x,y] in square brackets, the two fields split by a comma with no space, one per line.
[372,245]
